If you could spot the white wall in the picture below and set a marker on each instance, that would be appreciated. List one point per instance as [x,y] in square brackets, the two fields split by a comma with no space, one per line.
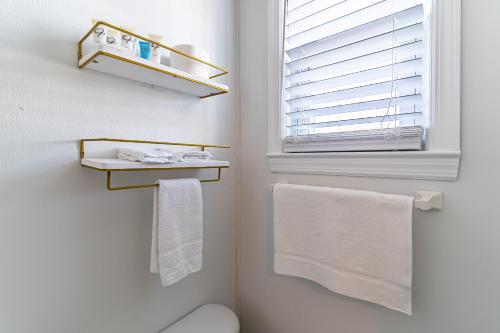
[73,256]
[456,270]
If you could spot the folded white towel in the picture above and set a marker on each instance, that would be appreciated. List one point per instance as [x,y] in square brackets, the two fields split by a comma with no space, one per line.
[355,243]
[177,243]
[188,155]
[195,155]
[154,156]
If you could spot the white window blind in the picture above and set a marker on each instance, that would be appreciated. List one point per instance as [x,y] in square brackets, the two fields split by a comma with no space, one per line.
[355,75]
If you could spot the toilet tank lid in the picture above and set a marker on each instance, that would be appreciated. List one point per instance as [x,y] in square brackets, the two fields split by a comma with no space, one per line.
[209,318]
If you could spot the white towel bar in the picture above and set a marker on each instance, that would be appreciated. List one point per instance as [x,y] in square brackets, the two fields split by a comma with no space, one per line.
[423,200]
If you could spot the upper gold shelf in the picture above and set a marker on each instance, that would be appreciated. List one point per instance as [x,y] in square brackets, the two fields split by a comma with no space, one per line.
[111,60]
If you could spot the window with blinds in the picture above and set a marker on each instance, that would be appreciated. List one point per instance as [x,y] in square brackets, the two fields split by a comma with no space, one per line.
[356,75]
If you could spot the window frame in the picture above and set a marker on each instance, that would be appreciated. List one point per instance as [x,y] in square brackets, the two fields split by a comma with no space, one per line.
[441,157]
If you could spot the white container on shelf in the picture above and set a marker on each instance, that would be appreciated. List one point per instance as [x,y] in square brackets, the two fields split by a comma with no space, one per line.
[155,49]
[189,65]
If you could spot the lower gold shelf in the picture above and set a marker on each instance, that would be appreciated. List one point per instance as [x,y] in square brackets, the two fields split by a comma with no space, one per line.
[110,165]
[114,164]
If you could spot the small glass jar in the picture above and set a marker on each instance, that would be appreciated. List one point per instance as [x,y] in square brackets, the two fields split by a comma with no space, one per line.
[127,40]
[155,49]
[99,32]
[112,38]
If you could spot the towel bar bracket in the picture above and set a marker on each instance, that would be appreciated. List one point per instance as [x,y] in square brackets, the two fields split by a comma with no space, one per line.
[110,187]
[428,200]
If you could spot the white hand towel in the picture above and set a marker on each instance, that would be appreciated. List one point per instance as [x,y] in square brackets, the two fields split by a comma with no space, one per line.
[355,243]
[176,247]
[154,156]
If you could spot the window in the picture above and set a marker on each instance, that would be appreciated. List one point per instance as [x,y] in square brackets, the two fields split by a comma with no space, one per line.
[356,75]
[336,129]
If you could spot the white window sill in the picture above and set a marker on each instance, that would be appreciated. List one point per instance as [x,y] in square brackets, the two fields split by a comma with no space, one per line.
[442,165]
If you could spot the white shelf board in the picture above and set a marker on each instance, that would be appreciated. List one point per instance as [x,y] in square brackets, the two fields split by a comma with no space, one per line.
[107,59]
[117,164]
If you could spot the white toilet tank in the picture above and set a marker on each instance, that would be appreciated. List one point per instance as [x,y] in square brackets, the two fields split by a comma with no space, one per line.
[209,318]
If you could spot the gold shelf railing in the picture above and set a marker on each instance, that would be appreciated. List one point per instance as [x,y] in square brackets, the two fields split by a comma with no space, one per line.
[111,187]
[221,71]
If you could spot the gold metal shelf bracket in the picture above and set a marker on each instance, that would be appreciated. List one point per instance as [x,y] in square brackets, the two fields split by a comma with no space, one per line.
[166,143]
[110,187]
[222,71]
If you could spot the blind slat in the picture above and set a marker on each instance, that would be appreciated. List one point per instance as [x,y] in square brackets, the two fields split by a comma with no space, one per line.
[413,118]
[297,4]
[328,15]
[412,100]
[311,8]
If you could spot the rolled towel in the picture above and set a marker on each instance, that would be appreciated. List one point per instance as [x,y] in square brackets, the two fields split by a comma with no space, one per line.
[195,155]
[188,155]
[154,156]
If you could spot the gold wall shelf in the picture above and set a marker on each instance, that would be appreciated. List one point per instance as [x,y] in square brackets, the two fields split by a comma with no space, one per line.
[110,60]
[110,165]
